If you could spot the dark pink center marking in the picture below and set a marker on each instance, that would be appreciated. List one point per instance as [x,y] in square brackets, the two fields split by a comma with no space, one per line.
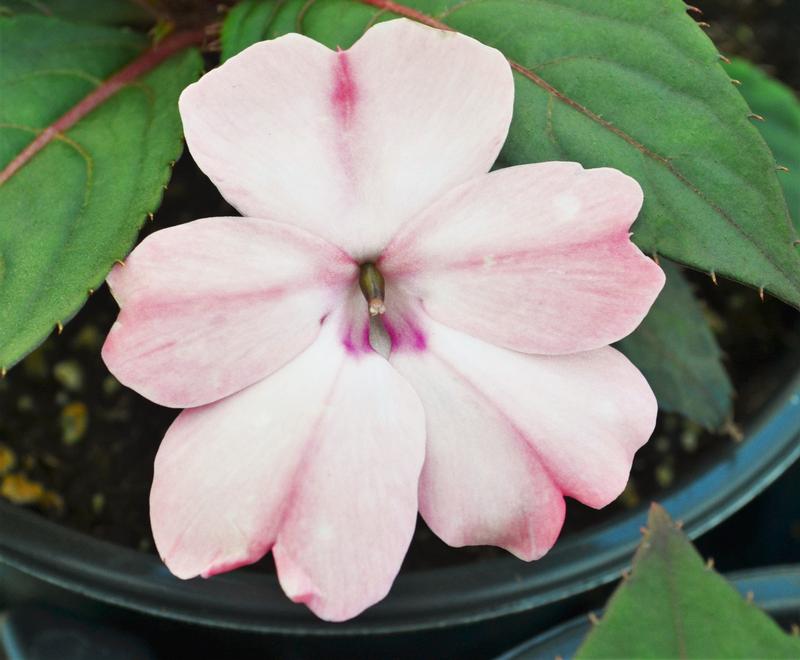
[356,340]
[345,91]
[405,334]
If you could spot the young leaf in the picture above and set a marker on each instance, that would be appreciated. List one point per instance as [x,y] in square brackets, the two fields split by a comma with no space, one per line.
[677,352]
[627,84]
[780,108]
[673,606]
[72,205]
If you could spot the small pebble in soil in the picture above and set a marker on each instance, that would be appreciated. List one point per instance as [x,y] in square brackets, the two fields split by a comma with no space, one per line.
[52,502]
[662,444]
[69,374]
[88,338]
[8,459]
[110,385]
[98,503]
[53,462]
[74,421]
[17,488]
[690,439]
[664,475]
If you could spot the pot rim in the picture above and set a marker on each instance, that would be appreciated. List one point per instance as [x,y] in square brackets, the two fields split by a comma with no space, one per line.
[420,600]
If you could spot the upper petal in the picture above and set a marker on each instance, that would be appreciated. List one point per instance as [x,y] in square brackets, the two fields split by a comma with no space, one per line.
[212,306]
[350,144]
[509,433]
[536,258]
[321,459]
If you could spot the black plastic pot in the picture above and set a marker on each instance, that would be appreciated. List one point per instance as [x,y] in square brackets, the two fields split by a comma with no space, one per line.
[435,599]
[775,590]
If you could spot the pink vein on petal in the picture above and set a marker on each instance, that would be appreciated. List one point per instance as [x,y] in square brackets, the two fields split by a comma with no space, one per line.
[353,343]
[345,92]
[344,97]
[405,334]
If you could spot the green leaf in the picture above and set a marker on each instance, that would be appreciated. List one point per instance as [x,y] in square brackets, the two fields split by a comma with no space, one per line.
[107,12]
[780,107]
[628,84]
[678,354]
[245,24]
[77,205]
[673,606]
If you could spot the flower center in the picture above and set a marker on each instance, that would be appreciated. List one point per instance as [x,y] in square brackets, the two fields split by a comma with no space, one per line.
[372,286]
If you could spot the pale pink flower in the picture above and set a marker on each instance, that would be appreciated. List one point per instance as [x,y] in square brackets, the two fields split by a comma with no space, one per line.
[503,291]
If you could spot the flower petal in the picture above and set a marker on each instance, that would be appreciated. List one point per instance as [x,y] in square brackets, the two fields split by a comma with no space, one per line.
[350,144]
[212,306]
[321,459]
[536,258]
[509,433]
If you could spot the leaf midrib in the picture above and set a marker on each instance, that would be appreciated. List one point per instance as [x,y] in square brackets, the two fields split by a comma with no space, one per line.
[418,15]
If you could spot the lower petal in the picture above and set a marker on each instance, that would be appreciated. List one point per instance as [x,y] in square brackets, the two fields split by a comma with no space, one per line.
[482,483]
[509,434]
[346,532]
[321,460]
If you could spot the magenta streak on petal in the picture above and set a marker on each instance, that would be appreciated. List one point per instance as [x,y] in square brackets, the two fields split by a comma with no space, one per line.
[405,335]
[345,93]
[355,345]
[147,309]
[344,97]
[347,342]
[614,245]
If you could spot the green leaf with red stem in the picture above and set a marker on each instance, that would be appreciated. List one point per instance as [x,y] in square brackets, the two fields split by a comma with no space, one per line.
[89,128]
[628,84]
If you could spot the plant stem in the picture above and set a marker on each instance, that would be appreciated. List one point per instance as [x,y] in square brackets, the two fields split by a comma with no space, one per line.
[408,12]
[147,61]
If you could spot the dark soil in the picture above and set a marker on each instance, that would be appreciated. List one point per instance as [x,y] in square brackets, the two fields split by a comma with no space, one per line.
[82,446]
